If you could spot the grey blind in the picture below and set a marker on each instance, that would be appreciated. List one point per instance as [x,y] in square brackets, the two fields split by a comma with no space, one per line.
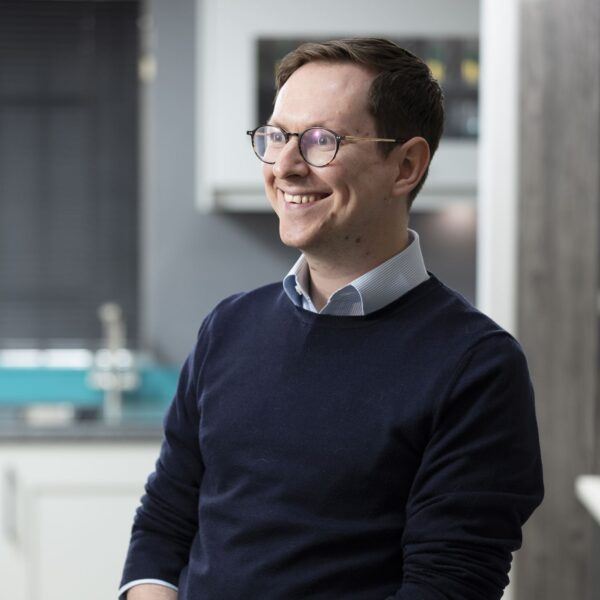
[68,169]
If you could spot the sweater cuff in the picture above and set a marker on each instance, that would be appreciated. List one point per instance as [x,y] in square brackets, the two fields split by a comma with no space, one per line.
[128,586]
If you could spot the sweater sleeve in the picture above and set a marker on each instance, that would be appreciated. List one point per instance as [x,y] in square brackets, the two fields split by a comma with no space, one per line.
[167,520]
[479,480]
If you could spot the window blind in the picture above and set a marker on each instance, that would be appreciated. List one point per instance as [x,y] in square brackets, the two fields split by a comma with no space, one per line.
[68,170]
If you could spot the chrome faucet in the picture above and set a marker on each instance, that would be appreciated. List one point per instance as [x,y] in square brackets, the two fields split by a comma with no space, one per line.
[114,370]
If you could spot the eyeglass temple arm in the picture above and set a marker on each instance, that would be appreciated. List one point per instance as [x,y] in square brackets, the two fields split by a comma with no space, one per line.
[354,138]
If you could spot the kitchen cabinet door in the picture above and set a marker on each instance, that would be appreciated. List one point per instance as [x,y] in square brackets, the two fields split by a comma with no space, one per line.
[67,511]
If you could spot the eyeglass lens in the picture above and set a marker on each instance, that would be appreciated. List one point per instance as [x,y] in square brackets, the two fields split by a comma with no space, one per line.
[317,146]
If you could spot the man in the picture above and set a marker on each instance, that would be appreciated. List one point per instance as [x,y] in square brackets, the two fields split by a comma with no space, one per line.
[361,431]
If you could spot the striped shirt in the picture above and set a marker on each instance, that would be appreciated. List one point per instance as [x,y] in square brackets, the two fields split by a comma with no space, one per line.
[367,293]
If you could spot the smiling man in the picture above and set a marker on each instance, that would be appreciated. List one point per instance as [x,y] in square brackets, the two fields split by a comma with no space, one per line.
[347,215]
[360,431]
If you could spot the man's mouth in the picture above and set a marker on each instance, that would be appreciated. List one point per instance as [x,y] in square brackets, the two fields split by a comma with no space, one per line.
[303,198]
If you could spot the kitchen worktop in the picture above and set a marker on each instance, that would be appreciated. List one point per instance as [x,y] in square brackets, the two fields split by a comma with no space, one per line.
[81,432]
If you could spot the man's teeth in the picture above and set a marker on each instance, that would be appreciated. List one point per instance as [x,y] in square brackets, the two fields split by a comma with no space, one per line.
[302,199]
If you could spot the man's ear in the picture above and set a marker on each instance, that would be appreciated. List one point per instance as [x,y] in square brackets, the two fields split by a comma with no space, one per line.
[412,159]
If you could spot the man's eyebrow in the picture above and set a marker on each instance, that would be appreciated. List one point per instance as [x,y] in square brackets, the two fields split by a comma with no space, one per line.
[323,124]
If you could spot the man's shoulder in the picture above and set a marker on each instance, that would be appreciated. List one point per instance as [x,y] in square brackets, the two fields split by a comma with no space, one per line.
[456,318]
[256,299]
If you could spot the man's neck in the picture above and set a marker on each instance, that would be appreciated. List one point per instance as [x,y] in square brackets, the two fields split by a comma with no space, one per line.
[326,276]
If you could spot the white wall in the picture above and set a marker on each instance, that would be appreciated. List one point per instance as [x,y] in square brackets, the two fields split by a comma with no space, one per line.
[189,261]
[497,232]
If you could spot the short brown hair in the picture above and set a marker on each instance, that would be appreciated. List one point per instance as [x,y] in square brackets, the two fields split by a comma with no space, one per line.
[404,99]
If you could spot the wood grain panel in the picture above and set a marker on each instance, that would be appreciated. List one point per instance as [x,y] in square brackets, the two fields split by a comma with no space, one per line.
[559,281]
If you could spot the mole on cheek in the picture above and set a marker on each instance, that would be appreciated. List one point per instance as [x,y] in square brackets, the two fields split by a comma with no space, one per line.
[357,240]
[346,237]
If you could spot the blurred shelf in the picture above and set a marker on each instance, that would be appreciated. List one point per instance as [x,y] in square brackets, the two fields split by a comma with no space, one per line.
[253,200]
[452,179]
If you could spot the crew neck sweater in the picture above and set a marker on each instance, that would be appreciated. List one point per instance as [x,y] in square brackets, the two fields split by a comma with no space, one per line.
[391,455]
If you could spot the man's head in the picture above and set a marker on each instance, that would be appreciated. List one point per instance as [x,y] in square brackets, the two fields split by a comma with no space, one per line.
[404,98]
[355,207]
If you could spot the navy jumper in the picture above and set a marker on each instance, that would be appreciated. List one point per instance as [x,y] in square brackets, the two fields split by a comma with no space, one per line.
[392,455]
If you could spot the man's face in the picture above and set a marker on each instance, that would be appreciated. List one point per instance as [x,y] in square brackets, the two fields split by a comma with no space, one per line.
[357,208]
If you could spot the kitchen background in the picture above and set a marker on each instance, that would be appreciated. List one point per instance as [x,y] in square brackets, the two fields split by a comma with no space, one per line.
[130,203]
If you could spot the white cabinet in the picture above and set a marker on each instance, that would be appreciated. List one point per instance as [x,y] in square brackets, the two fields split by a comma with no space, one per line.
[67,510]
[228,175]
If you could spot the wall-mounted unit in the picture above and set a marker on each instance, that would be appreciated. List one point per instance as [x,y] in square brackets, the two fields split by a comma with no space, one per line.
[239,42]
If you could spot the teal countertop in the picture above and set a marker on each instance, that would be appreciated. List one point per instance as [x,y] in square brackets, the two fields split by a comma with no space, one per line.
[19,386]
[23,389]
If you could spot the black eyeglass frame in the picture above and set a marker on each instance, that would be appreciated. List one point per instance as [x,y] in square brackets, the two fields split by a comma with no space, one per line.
[338,139]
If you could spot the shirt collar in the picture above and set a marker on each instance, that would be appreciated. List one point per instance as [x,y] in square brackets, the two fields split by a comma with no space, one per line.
[369,292]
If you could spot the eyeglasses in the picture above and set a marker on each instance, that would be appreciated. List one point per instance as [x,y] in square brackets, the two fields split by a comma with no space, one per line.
[318,146]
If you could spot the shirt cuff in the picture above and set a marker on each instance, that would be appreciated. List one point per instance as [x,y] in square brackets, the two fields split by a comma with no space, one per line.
[131,584]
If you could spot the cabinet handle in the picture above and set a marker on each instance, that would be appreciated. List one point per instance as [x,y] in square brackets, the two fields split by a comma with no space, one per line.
[9,505]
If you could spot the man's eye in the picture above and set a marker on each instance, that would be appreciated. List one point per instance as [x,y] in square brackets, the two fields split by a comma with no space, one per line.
[277,138]
[324,140]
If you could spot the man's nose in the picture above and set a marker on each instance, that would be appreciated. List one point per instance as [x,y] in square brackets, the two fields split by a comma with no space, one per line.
[290,161]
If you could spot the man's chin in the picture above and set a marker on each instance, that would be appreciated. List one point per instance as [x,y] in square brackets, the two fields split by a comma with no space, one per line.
[294,240]
[293,243]
[313,240]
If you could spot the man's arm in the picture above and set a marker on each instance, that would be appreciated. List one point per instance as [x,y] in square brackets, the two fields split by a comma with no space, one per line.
[479,481]
[167,521]
[150,591]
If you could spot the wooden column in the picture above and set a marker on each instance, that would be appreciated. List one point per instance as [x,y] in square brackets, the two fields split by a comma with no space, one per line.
[558,282]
